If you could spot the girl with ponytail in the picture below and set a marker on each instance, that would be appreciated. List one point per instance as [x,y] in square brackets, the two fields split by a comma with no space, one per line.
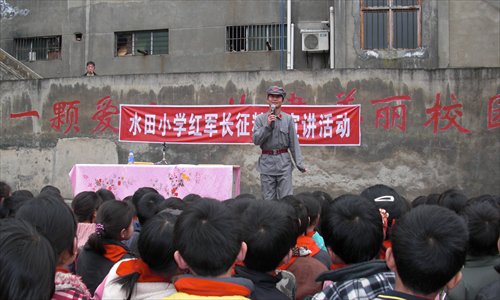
[104,247]
[148,277]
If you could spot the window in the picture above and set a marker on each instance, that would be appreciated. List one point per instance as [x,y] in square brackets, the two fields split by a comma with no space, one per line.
[255,37]
[38,48]
[391,24]
[141,42]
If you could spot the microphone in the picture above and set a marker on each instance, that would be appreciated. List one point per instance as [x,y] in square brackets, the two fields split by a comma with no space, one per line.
[273,112]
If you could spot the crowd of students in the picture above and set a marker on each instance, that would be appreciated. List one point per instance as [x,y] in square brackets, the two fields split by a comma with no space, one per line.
[372,245]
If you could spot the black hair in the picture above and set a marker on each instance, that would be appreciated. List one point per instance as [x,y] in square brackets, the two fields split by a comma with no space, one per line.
[90,63]
[191,198]
[27,260]
[239,205]
[11,205]
[352,228]
[453,199]
[175,203]
[141,192]
[24,193]
[156,248]
[491,199]
[483,222]
[149,205]
[387,198]
[269,233]
[429,245]
[300,212]
[246,196]
[432,199]
[50,189]
[105,194]
[113,216]
[84,205]
[207,236]
[53,218]
[323,198]
[4,190]
[420,200]
[312,205]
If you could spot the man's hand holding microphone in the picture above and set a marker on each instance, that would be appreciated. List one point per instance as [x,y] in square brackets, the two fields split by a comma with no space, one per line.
[272,116]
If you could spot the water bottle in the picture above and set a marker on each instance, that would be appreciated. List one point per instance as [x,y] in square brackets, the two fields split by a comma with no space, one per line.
[131,157]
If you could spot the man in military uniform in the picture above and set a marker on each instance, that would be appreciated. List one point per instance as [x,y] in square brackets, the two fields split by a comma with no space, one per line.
[274,132]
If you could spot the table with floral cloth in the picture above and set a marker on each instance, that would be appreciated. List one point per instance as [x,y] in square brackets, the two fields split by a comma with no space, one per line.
[220,182]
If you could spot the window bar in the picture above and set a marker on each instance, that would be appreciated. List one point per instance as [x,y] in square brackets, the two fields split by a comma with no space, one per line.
[133,43]
[151,44]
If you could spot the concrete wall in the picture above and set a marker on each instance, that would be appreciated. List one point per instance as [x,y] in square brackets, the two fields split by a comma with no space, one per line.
[455,33]
[474,26]
[415,161]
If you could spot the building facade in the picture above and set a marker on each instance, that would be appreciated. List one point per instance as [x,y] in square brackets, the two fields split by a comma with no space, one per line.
[56,38]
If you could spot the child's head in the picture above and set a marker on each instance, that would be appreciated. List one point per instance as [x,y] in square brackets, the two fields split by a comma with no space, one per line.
[300,212]
[50,189]
[105,194]
[113,222]
[156,248]
[116,220]
[191,198]
[239,205]
[175,203]
[85,206]
[428,249]
[156,242]
[207,238]
[4,191]
[141,192]
[387,198]
[420,200]
[55,220]
[149,205]
[269,232]
[11,205]
[352,228]
[24,193]
[483,222]
[27,261]
[453,199]
[313,208]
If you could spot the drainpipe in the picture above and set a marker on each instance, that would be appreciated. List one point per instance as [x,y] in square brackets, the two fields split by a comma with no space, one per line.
[332,37]
[282,34]
[292,45]
[289,35]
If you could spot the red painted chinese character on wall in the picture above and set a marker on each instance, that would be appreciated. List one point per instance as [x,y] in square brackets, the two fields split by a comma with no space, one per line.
[105,109]
[295,100]
[450,115]
[30,113]
[494,111]
[389,115]
[348,98]
[66,113]
[242,99]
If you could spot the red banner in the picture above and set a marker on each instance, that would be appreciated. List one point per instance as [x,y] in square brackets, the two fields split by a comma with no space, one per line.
[232,124]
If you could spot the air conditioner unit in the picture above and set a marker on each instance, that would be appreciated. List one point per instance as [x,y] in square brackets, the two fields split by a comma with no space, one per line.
[314,41]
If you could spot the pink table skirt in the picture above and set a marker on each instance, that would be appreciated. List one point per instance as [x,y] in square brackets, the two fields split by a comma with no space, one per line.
[215,181]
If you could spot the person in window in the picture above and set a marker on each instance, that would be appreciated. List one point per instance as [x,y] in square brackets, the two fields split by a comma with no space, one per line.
[90,69]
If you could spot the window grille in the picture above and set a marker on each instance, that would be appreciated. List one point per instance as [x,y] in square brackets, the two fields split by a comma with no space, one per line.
[391,24]
[255,37]
[153,42]
[38,48]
